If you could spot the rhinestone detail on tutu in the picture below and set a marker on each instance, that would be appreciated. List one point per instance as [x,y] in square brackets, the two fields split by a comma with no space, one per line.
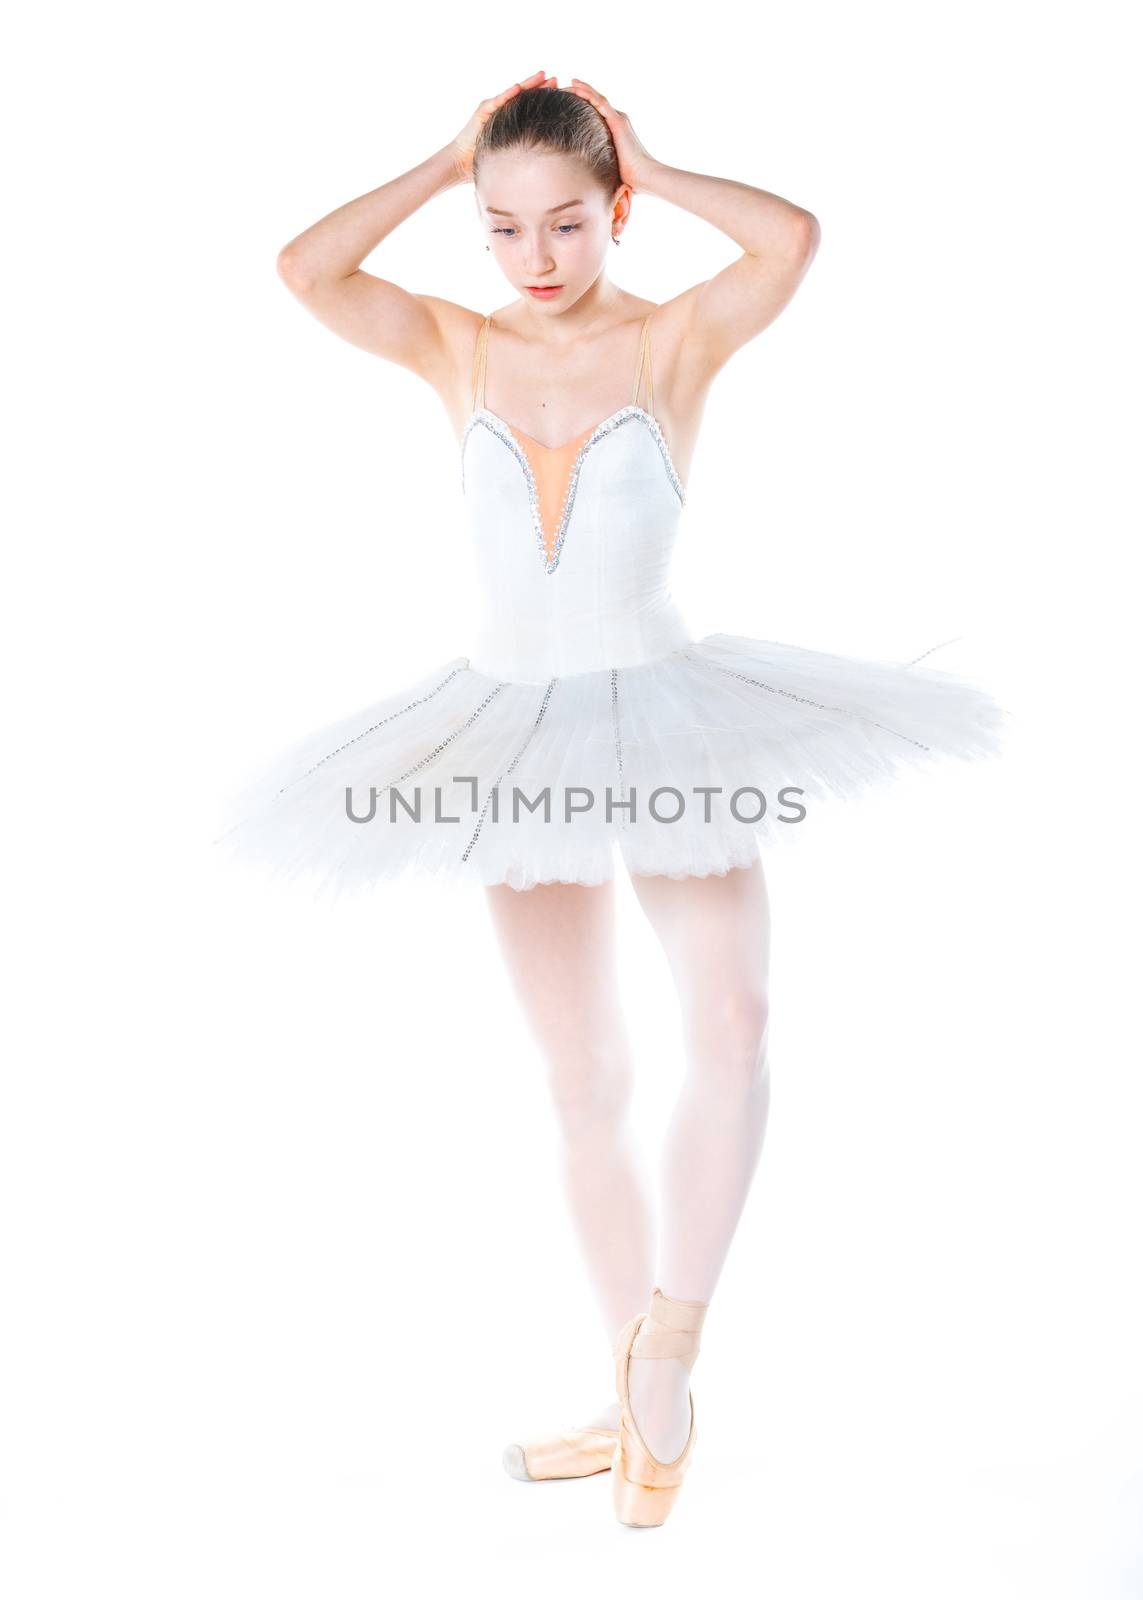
[624,817]
[509,769]
[847,711]
[456,732]
[366,731]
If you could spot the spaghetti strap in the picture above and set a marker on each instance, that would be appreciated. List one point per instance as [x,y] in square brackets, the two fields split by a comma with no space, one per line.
[480,363]
[644,361]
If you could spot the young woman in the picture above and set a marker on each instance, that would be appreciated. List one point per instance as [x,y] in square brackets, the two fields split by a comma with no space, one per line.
[587,687]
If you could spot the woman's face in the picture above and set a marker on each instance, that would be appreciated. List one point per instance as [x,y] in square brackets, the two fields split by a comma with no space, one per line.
[535,234]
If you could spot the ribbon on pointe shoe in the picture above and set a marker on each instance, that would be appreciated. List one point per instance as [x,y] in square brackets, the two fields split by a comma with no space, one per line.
[671,1328]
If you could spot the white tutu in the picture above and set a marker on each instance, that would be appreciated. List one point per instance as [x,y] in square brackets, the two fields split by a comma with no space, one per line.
[588,719]
[477,777]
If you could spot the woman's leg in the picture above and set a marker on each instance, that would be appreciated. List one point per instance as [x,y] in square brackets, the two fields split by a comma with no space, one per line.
[558,941]
[716,934]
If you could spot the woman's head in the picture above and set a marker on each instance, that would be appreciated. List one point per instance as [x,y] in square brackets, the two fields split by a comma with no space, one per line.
[538,151]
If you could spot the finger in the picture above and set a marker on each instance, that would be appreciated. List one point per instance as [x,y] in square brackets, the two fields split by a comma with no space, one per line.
[528,83]
[497,100]
[599,103]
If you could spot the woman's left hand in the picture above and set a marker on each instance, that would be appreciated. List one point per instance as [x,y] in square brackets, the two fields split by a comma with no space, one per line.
[634,160]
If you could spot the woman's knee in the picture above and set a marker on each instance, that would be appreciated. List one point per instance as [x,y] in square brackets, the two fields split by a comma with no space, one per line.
[729,1031]
[591,1084]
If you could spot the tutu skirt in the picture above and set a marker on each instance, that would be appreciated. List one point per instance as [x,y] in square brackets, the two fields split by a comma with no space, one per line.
[684,765]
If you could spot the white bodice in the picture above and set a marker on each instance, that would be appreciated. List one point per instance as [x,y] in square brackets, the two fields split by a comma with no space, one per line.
[603,599]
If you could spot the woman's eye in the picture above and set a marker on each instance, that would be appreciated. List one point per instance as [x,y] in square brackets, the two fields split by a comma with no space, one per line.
[570,226]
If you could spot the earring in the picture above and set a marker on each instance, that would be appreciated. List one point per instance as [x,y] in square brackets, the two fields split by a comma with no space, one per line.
[488,247]
[615,238]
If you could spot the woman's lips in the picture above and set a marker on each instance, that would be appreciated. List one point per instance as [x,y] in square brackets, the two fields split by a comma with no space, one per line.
[546,291]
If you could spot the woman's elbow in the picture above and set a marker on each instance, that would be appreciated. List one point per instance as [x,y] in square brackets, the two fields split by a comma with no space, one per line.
[291,269]
[809,232]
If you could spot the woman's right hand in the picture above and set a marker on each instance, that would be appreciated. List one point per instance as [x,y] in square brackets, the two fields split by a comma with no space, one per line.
[464,144]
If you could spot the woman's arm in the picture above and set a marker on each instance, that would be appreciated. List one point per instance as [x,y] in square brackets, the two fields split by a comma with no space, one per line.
[779,240]
[322,266]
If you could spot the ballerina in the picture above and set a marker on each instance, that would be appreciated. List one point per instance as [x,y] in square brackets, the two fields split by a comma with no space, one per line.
[585,693]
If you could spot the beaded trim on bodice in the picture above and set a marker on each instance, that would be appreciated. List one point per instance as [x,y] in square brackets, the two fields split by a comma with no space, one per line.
[550,458]
[489,419]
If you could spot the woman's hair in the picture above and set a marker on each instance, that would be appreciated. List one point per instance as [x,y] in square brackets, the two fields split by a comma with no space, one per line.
[556,120]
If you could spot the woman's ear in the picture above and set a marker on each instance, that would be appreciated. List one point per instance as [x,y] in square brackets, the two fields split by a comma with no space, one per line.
[621,205]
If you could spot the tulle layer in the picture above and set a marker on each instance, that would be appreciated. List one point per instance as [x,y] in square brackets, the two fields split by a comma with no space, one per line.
[475,777]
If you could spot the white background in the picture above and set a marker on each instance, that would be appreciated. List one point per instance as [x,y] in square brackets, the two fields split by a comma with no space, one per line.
[284,1255]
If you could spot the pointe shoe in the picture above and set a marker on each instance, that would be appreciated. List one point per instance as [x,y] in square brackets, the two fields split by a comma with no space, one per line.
[644,1489]
[575,1454]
